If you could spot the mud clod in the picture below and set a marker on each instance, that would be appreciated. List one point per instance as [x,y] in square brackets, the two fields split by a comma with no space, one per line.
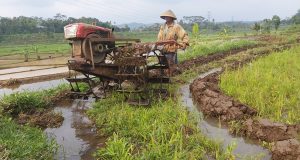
[10,82]
[45,119]
[266,130]
[286,150]
[186,65]
[213,103]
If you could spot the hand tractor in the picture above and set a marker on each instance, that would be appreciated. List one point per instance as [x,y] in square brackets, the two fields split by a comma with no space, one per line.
[105,61]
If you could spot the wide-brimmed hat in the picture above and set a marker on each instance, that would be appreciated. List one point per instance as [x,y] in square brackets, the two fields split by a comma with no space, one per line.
[168,13]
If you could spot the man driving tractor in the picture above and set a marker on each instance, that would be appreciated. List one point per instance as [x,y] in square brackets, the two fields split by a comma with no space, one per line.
[171,31]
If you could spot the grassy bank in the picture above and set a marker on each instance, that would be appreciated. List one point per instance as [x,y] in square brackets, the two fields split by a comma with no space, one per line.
[22,141]
[29,101]
[164,131]
[271,85]
[210,47]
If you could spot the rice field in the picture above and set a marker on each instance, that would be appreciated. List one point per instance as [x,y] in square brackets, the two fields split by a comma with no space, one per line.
[202,48]
[270,84]
[164,131]
[24,142]
[35,49]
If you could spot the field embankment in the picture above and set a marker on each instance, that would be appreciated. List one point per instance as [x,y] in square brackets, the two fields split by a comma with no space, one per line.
[244,117]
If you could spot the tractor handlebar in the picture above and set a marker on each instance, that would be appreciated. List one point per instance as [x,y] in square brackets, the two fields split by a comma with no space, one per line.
[170,42]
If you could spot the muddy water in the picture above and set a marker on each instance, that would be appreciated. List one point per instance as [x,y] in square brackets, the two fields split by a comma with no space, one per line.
[213,129]
[77,136]
[32,86]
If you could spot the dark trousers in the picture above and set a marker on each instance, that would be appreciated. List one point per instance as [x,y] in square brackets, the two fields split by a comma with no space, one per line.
[172,56]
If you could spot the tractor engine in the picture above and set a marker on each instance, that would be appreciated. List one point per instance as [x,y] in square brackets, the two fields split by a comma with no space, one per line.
[81,34]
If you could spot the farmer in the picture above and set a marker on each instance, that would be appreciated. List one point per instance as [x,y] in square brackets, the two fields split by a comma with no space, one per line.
[172,31]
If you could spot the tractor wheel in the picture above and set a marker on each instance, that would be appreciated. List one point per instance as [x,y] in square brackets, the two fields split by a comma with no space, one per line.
[97,48]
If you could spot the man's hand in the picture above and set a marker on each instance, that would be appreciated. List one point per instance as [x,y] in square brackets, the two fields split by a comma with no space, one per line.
[183,46]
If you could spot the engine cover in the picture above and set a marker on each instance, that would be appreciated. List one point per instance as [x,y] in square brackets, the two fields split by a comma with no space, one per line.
[82,30]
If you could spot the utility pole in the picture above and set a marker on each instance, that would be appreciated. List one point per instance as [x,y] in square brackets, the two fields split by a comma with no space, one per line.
[208,23]
[232,19]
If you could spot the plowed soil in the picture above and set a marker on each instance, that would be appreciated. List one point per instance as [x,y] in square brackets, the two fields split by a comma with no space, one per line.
[209,58]
[45,119]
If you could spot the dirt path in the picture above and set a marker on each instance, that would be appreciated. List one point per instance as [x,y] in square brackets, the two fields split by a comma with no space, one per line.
[24,75]
[14,62]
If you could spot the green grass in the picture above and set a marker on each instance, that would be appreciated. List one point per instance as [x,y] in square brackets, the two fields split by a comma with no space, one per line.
[33,38]
[53,43]
[211,47]
[34,49]
[24,142]
[271,85]
[145,36]
[27,101]
[164,131]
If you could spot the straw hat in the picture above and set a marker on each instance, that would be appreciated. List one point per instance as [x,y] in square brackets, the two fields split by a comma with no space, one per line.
[168,13]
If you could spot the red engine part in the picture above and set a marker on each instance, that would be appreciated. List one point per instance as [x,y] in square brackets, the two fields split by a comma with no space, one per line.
[82,30]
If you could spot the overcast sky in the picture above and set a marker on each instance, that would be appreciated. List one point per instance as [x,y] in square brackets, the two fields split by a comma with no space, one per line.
[148,11]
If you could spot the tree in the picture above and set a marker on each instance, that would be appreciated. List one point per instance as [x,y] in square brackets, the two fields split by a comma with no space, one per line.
[193,19]
[266,25]
[276,21]
[296,18]
[22,24]
[256,27]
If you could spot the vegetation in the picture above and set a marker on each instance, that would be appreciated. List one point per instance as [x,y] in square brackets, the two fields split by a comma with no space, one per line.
[29,101]
[206,48]
[145,36]
[296,18]
[256,27]
[276,21]
[164,131]
[22,24]
[35,49]
[270,85]
[33,38]
[195,31]
[24,142]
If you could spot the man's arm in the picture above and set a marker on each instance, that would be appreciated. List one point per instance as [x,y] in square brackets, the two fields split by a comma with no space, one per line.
[160,34]
[183,37]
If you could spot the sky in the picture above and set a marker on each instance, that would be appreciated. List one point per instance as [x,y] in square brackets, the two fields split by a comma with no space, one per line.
[148,11]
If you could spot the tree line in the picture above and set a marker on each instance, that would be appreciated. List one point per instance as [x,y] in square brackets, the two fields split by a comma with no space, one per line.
[22,24]
[209,25]
[266,25]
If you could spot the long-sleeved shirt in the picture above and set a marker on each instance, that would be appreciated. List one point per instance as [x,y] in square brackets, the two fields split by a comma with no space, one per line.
[173,32]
